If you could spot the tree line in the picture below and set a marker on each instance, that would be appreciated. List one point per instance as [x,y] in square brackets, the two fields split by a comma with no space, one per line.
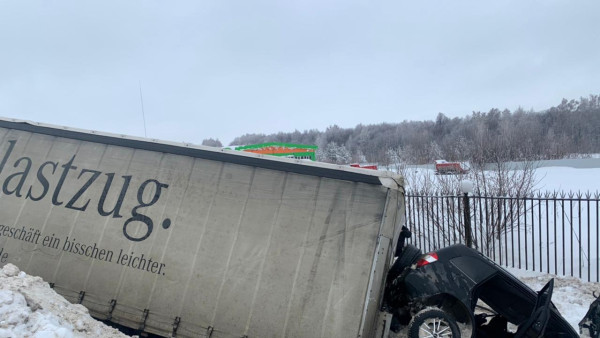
[569,129]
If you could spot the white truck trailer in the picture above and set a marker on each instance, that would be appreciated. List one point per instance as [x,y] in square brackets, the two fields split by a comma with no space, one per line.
[191,241]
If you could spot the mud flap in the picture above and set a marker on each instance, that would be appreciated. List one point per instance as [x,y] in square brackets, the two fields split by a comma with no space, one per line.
[589,326]
[383,327]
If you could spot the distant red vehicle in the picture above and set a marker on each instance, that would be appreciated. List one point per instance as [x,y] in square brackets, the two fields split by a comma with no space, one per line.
[365,166]
[443,167]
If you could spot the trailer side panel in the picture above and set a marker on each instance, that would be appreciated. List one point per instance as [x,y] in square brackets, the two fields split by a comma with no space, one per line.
[153,238]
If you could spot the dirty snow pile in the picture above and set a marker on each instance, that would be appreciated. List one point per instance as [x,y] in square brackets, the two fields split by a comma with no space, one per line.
[30,308]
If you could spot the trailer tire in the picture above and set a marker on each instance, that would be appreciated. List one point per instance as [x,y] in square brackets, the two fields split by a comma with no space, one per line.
[433,322]
[409,255]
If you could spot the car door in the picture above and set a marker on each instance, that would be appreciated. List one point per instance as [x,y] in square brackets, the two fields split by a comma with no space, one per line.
[535,326]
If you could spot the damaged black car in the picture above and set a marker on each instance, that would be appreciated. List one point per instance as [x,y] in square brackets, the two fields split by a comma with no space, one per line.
[458,292]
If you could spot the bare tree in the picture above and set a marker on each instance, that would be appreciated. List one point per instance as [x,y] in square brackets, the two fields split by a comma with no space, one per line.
[440,202]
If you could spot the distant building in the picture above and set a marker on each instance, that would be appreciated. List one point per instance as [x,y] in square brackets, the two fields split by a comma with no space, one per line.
[291,150]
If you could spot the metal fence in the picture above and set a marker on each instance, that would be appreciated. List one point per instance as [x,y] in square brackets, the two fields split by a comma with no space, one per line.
[556,233]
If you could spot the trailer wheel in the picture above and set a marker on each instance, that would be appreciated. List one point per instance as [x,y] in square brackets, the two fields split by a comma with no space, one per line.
[409,255]
[433,322]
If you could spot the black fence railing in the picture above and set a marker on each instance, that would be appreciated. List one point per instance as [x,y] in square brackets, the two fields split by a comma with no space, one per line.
[553,233]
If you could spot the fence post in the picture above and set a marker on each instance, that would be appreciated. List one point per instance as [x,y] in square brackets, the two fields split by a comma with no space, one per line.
[467,216]
[466,187]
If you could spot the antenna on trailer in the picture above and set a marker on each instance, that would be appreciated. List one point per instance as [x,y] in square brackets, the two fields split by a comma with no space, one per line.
[143,115]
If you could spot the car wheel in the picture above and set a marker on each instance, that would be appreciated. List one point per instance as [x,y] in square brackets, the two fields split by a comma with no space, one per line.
[433,323]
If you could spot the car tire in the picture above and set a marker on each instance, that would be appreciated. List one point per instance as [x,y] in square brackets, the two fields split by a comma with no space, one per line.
[409,255]
[433,322]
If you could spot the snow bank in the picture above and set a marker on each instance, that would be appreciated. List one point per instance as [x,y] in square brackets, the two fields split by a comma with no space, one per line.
[30,308]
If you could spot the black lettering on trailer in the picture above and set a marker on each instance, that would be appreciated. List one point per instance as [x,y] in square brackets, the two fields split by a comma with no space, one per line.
[70,204]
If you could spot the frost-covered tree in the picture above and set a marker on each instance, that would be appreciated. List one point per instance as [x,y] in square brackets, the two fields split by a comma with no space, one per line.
[333,153]
[212,142]
[569,129]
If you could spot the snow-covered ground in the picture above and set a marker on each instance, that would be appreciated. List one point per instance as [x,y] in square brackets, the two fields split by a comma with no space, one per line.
[30,308]
[548,178]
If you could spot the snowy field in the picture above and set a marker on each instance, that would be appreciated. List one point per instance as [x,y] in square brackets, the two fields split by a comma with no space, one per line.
[30,308]
[568,179]
[574,175]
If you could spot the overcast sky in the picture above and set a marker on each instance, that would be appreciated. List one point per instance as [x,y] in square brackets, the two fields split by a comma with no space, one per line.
[222,69]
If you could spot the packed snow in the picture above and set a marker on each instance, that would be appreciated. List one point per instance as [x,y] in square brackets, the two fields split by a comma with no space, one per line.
[30,308]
